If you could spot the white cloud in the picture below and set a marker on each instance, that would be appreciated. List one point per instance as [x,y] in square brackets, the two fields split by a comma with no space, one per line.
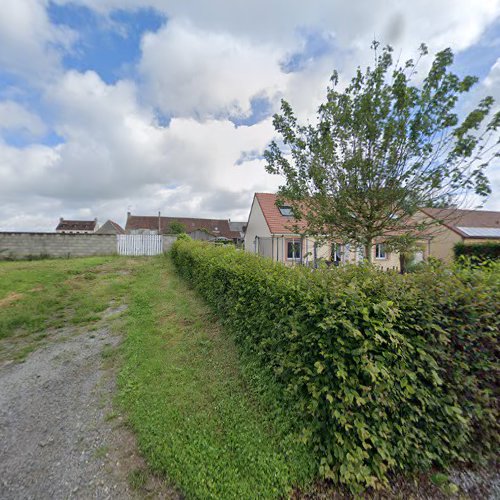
[491,86]
[190,72]
[440,23]
[15,117]
[115,154]
[30,45]
[201,68]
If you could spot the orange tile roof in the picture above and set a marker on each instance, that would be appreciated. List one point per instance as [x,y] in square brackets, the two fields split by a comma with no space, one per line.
[277,223]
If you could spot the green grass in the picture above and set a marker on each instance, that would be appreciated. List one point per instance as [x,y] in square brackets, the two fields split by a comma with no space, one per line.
[36,296]
[196,419]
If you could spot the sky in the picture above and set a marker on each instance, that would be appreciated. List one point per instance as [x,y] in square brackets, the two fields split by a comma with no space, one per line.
[109,106]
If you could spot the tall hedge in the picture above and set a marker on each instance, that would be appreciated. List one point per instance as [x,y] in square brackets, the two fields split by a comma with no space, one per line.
[387,372]
[479,251]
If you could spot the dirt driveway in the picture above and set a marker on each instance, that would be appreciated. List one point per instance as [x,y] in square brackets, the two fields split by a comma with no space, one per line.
[60,436]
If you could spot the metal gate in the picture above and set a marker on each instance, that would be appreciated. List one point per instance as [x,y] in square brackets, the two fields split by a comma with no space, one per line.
[139,244]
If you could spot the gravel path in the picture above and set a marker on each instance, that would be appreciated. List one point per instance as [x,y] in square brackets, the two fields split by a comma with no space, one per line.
[59,437]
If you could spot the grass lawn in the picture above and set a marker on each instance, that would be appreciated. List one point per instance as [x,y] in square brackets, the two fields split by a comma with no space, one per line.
[181,384]
[39,296]
[195,418]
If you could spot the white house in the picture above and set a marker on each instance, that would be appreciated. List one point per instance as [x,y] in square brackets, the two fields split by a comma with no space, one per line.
[270,233]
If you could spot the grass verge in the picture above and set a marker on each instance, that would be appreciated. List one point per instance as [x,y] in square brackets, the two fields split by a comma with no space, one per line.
[196,419]
[39,296]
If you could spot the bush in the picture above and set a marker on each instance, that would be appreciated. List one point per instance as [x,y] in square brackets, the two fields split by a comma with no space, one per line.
[388,372]
[184,237]
[478,251]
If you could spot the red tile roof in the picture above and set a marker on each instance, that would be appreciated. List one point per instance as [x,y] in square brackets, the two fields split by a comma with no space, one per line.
[277,223]
[216,227]
[76,225]
[454,218]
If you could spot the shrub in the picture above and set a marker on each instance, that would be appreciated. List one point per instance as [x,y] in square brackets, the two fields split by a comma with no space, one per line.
[184,237]
[478,251]
[387,372]
[176,227]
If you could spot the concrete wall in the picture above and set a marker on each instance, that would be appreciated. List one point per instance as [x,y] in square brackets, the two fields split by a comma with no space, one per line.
[168,241]
[22,245]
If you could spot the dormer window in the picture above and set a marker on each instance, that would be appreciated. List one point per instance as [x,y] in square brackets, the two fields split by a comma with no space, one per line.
[286,211]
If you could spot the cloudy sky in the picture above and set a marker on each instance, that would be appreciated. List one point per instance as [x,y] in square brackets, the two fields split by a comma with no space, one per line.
[146,105]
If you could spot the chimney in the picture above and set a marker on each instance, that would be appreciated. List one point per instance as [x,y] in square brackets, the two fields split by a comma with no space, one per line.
[61,219]
[128,214]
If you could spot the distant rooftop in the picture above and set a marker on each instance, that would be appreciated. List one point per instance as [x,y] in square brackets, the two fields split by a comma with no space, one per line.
[216,227]
[76,225]
[468,223]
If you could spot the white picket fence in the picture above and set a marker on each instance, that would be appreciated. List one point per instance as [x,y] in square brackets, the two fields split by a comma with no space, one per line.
[139,244]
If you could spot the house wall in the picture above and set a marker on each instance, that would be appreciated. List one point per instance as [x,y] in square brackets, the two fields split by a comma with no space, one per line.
[390,262]
[275,247]
[442,242]
[22,245]
[440,239]
[257,226]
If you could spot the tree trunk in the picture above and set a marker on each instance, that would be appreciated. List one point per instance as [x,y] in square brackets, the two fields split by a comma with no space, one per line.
[402,263]
[368,251]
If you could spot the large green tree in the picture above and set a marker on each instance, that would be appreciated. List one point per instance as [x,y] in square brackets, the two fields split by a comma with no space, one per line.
[381,148]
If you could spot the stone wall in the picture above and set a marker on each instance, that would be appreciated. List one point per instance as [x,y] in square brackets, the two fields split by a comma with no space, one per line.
[24,245]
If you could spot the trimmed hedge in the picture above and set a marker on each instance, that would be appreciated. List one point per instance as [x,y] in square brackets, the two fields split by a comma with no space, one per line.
[387,372]
[480,251]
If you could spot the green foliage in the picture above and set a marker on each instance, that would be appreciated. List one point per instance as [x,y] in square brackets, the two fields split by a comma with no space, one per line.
[383,147]
[184,236]
[479,251]
[386,372]
[176,227]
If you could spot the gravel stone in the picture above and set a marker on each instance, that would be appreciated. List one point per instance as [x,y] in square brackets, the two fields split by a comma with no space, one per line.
[55,442]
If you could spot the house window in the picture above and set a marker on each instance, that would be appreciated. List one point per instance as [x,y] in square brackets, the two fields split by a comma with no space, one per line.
[336,252]
[380,251]
[286,211]
[360,254]
[293,250]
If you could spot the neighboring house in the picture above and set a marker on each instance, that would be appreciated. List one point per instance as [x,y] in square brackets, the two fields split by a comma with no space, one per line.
[110,227]
[270,233]
[459,226]
[239,227]
[201,229]
[76,226]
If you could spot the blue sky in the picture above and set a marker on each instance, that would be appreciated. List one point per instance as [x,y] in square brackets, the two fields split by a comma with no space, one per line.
[108,45]
[107,105]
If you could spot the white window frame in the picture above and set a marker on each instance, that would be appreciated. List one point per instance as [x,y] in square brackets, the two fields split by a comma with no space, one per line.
[295,242]
[380,251]
[286,208]
[338,249]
